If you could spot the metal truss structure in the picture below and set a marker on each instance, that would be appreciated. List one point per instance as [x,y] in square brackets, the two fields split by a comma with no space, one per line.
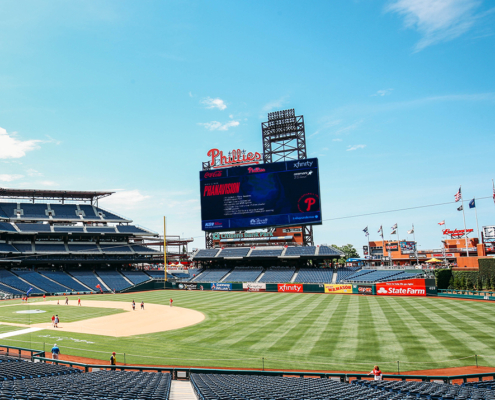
[284,137]
[58,195]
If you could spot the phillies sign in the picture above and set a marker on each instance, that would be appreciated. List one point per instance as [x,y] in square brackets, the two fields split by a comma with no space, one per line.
[409,287]
[290,287]
[234,158]
[456,232]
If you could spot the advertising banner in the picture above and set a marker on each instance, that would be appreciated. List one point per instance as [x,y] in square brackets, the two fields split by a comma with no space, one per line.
[392,246]
[187,286]
[407,247]
[290,287]
[364,289]
[342,288]
[221,286]
[254,287]
[409,287]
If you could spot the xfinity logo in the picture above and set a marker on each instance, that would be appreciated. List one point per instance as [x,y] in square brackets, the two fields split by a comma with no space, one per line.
[301,164]
[258,221]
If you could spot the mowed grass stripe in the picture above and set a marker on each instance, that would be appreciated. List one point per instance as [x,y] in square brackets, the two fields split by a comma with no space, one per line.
[282,326]
[418,328]
[311,338]
[482,311]
[348,337]
[467,334]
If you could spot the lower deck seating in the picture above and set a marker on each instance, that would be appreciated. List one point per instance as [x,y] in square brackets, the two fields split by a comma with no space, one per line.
[42,282]
[314,275]
[8,278]
[15,368]
[277,275]
[158,274]
[211,275]
[343,273]
[9,290]
[65,280]
[242,274]
[136,277]
[88,278]
[114,280]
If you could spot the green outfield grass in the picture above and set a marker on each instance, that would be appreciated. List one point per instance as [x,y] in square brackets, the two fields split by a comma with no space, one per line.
[298,331]
[9,313]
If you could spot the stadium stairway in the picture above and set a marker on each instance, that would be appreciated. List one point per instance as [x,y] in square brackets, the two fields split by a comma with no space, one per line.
[103,283]
[182,390]
[294,276]
[261,276]
[334,277]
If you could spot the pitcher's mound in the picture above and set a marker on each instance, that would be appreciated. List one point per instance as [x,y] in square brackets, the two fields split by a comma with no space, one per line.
[154,318]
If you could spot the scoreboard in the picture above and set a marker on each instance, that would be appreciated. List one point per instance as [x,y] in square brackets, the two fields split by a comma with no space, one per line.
[263,195]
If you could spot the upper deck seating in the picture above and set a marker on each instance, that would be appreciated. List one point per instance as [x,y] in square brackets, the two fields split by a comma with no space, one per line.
[314,275]
[83,248]
[6,227]
[23,247]
[136,277]
[266,253]
[143,249]
[108,215]
[7,248]
[64,211]
[114,280]
[8,210]
[35,211]
[65,280]
[100,229]
[278,275]
[67,229]
[50,248]
[89,212]
[135,230]
[10,279]
[300,251]
[243,274]
[33,227]
[329,251]
[41,281]
[234,252]
[206,253]
[211,275]
[88,278]
[115,248]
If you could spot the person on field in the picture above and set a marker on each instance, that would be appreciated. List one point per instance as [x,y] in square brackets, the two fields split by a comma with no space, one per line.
[171,302]
[78,301]
[55,352]
[53,320]
[44,297]
[56,321]
[66,301]
[133,305]
[142,305]
[377,373]
[113,360]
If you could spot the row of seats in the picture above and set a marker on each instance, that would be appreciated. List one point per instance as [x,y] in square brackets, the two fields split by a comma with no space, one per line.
[64,212]
[344,273]
[10,227]
[373,275]
[277,275]
[242,274]
[61,248]
[15,368]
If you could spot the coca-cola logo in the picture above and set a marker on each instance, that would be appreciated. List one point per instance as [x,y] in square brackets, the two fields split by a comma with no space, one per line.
[291,288]
[255,170]
[214,174]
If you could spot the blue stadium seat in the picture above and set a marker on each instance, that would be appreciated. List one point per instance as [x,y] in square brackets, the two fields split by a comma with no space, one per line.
[88,278]
[300,251]
[314,275]
[41,281]
[8,278]
[244,274]
[66,280]
[211,275]
[136,277]
[114,280]
[278,275]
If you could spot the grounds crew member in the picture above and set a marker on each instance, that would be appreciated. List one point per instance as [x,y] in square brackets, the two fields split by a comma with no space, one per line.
[55,352]
[113,361]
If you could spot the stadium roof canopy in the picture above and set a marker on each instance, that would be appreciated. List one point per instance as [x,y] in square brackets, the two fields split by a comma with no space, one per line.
[61,195]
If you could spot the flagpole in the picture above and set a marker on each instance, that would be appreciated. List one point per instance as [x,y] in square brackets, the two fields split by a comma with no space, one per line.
[369,249]
[464,219]
[415,246]
[476,213]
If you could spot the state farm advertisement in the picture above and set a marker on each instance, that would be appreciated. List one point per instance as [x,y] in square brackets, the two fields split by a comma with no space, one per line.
[409,287]
[347,288]
[290,287]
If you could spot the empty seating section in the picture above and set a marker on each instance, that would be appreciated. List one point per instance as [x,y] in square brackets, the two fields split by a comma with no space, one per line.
[114,280]
[38,211]
[65,280]
[23,247]
[211,275]
[83,248]
[313,275]
[266,253]
[7,289]
[158,274]
[15,368]
[206,253]
[88,211]
[300,251]
[64,211]
[27,227]
[136,277]
[329,251]
[132,229]
[6,227]
[72,229]
[223,386]
[7,248]
[373,275]
[142,249]
[88,278]
[241,274]
[115,248]
[234,252]
[85,386]
[108,215]
[50,248]
[343,273]
[277,275]
[10,279]
[100,229]
[9,210]
[193,272]
[42,282]
[3,214]
[360,273]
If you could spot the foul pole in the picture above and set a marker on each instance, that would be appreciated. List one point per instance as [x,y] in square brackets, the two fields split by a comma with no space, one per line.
[165,248]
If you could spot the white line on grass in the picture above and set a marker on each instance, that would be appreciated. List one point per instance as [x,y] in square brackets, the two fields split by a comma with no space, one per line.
[19,332]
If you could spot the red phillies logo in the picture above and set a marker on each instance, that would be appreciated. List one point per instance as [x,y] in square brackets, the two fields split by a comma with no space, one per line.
[214,174]
[291,288]
[234,157]
[255,170]
[308,202]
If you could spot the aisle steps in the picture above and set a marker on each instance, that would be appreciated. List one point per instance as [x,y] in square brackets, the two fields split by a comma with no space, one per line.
[182,390]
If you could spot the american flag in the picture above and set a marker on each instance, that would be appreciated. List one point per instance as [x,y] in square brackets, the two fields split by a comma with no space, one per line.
[442,223]
[493,185]
[458,195]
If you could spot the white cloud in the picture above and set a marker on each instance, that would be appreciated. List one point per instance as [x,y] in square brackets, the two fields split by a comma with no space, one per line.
[214,103]
[274,104]
[436,20]
[325,148]
[48,183]
[356,146]
[349,128]
[124,199]
[383,92]
[337,140]
[33,172]
[11,147]
[9,177]
[218,126]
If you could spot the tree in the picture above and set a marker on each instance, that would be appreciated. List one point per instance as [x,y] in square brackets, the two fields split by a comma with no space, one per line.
[451,282]
[348,250]
[479,283]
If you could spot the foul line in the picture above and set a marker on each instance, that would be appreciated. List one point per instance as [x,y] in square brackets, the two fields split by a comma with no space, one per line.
[19,332]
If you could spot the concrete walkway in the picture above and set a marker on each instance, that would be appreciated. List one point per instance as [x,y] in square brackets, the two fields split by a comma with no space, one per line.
[182,390]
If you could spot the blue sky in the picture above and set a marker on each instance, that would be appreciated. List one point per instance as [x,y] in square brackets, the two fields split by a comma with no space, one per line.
[398,98]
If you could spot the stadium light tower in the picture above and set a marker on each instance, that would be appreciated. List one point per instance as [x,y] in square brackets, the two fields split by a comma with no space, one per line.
[284,138]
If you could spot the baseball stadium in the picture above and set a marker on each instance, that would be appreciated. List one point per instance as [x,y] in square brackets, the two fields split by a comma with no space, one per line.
[96,307]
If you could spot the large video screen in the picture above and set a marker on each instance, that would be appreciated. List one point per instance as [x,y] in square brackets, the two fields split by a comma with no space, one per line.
[277,194]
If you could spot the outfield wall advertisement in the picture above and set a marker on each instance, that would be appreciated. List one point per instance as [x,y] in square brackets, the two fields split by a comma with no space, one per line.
[254,287]
[290,287]
[343,288]
[409,287]
[221,286]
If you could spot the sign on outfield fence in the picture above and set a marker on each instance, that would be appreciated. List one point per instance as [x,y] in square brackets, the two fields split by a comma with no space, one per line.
[290,287]
[409,287]
[343,288]
[254,287]
[221,286]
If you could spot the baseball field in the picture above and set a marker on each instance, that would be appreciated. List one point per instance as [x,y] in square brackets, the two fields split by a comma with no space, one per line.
[252,330]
